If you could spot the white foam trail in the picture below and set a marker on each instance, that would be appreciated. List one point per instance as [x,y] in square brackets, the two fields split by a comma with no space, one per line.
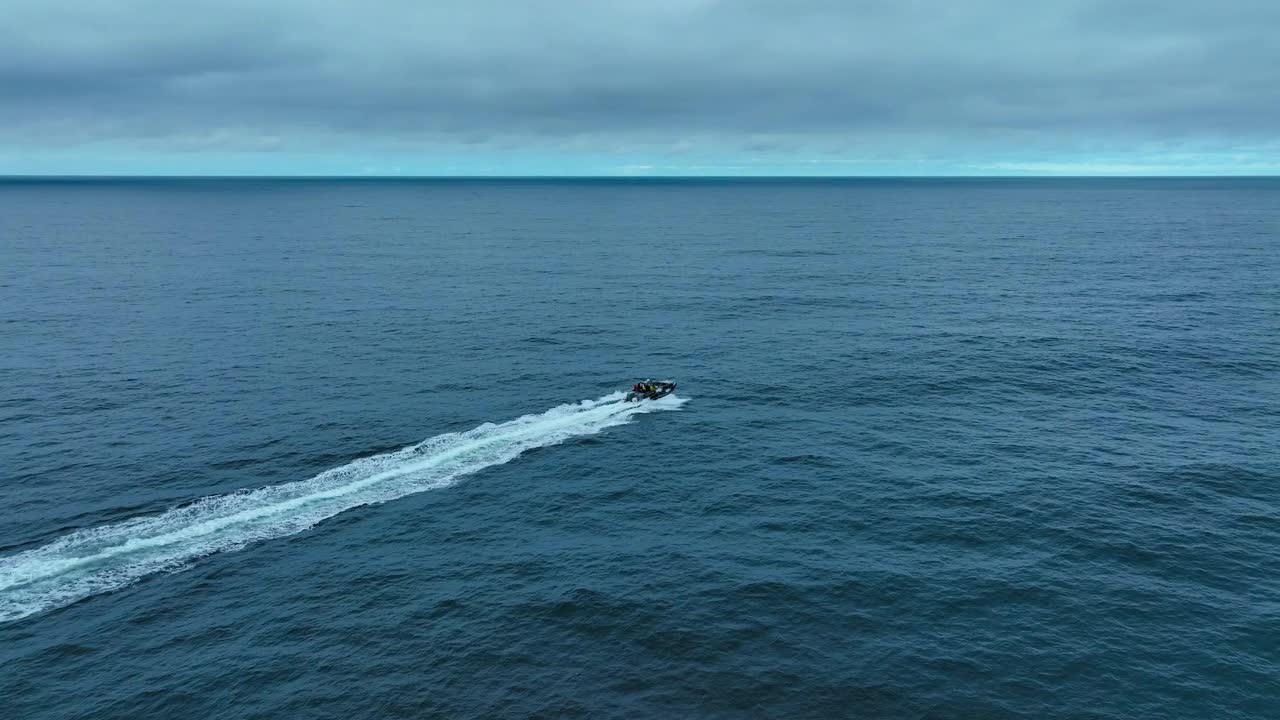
[104,558]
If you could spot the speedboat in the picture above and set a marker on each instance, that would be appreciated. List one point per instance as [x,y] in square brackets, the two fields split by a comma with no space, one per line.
[650,390]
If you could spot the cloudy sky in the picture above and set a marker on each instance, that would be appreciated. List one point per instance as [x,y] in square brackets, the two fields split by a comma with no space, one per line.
[635,87]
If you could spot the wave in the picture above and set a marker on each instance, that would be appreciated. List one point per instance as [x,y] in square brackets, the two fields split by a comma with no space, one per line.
[104,558]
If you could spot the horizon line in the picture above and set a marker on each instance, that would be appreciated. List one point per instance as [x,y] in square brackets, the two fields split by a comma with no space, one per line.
[227,176]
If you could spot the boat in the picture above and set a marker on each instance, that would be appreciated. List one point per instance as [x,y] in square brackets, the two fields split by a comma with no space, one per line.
[650,390]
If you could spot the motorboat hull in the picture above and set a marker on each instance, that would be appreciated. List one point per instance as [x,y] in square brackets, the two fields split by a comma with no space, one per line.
[661,389]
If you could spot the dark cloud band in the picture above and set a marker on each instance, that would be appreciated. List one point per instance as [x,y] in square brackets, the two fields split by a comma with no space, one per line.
[473,71]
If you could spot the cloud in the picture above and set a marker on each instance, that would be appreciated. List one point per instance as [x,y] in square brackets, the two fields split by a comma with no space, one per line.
[779,78]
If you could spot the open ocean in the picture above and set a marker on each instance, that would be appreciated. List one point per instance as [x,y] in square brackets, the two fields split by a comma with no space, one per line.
[982,448]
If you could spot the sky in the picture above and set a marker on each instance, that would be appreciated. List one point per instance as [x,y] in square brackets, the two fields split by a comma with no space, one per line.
[639,87]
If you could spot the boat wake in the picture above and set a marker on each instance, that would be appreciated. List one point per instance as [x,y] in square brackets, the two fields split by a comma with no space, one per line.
[100,559]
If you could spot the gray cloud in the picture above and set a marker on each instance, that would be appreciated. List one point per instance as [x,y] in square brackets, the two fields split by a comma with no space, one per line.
[760,72]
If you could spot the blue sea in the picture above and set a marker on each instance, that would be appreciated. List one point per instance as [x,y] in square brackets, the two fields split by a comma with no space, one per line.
[954,448]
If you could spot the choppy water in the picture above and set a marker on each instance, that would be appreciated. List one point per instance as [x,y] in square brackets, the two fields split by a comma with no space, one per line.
[943,449]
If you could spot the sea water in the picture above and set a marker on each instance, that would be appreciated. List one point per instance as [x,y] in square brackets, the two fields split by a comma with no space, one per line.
[353,448]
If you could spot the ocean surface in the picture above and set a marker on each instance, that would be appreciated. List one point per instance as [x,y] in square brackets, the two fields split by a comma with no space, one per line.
[1003,448]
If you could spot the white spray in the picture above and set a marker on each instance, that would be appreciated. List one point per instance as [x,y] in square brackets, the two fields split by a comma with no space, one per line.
[105,558]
